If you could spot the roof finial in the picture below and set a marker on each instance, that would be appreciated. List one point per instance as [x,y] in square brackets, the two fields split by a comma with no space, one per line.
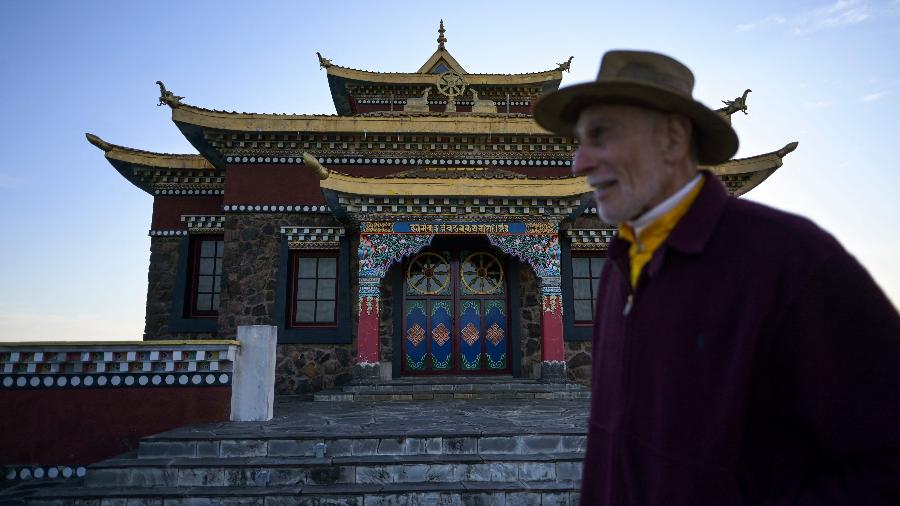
[738,104]
[324,63]
[441,39]
[313,163]
[97,141]
[166,97]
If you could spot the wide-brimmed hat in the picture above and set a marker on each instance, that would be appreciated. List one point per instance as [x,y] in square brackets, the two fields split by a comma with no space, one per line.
[644,79]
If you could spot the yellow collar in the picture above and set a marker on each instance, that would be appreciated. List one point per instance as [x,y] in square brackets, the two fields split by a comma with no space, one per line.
[651,235]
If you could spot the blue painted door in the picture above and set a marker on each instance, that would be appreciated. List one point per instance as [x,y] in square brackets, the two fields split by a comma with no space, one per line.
[455,317]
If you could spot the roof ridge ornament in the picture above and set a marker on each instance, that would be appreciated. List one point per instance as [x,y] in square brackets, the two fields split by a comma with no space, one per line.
[97,141]
[320,170]
[738,104]
[565,65]
[324,63]
[166,97]
[788,148]
[441,40]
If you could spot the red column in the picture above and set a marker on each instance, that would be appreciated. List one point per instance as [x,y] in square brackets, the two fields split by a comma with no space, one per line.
[367,335]
[552,349]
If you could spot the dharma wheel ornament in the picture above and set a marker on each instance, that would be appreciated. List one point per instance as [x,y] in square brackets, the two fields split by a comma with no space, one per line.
[451,85]
[428,274]
[482,273]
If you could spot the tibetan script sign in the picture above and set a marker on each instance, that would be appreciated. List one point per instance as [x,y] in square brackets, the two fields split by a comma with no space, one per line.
[458,228]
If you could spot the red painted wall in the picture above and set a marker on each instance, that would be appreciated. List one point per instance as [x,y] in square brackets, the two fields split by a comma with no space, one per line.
[82,426]
[167,209]
[289,184]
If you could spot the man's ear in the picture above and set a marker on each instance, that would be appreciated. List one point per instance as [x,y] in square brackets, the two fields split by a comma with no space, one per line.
[678,133]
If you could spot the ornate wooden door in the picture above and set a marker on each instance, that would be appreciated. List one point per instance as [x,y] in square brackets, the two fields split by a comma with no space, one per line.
[455,317]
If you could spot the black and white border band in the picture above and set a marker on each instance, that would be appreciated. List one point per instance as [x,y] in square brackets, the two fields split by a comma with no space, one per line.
[115,380]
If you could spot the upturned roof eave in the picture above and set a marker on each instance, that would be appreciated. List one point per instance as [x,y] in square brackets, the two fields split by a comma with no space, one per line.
[428,78]
[462,187]
[426,123]
[125,160]
[759,167]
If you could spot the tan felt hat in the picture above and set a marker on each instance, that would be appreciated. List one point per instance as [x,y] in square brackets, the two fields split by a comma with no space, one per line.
[644,79]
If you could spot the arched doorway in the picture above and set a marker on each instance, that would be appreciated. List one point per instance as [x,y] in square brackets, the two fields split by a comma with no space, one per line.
[455,311]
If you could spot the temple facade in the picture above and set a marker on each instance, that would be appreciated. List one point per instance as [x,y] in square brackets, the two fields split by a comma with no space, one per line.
[429,227]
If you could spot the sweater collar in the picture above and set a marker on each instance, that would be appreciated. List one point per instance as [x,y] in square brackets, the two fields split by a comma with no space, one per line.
[695,228]
[693,231]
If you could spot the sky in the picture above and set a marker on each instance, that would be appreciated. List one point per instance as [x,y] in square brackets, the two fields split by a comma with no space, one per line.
[74,249]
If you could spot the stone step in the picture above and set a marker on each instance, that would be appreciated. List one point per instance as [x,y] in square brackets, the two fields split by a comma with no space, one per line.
[379,469]
[455,388]
[405,441]
[461,381]
[443,395]
[548,493]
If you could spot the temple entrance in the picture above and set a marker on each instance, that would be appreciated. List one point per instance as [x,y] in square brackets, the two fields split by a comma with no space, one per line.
[455,312]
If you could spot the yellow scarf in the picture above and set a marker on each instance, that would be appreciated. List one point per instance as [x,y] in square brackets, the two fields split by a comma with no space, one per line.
[654,234]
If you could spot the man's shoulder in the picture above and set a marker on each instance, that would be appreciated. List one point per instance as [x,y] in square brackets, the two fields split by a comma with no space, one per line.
[761,222]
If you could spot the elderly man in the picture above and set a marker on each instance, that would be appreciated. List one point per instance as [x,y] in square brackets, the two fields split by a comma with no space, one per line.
[741,355]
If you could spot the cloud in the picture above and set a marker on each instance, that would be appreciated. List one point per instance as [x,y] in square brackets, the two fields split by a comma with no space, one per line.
[873,96]
[769,21]
[841,13]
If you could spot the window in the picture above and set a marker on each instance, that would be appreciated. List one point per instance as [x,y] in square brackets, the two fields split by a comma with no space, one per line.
[206,278]
[585,277]
[314,289]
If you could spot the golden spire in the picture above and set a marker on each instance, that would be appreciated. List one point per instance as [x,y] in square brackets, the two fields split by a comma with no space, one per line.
[441,39]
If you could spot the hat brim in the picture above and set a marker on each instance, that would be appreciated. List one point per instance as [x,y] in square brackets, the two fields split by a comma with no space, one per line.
[558,112]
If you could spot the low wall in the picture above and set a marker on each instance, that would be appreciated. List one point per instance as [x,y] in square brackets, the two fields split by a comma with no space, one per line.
[67,405]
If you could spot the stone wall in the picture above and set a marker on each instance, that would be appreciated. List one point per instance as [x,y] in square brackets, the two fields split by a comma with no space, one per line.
[161,282]
[251,259]
[308,368]
[250,264]
[578,361]
[386,306]
[530,322]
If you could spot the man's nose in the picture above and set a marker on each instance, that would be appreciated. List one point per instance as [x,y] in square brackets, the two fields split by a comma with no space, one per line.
[580,163]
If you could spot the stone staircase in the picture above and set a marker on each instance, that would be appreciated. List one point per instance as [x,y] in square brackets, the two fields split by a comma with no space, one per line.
[498,451]
[442,388]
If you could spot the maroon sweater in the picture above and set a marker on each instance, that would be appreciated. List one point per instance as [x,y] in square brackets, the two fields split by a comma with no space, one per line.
[759,363]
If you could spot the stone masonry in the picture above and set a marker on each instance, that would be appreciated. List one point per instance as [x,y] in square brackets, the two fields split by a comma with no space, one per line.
[161,281]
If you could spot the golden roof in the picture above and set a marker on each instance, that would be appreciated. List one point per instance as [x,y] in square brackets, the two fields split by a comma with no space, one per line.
[427,78]
[472,123]
[116,153]
[740,175]
[427,72]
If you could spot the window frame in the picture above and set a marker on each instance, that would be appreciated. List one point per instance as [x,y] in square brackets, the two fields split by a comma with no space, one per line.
[345,300]
[294,260]
[572,331]
[193,282]
[179,319]
[593,280]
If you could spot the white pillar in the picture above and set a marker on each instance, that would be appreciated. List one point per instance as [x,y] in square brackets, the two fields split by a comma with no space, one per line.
[253,387]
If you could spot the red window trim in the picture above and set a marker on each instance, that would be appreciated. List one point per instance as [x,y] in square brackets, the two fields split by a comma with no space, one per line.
[292,311]
[594,279]
[193,277]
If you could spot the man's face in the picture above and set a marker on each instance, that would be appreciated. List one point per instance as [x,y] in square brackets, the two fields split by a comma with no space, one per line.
[621,153]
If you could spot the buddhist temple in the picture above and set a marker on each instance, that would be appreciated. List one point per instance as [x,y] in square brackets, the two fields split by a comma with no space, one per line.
[429,227]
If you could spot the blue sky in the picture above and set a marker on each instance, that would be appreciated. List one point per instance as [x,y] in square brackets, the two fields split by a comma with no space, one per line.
[74,249]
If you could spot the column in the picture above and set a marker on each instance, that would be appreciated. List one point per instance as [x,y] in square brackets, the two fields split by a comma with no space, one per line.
[543,254]
[377,252]
[553,353]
